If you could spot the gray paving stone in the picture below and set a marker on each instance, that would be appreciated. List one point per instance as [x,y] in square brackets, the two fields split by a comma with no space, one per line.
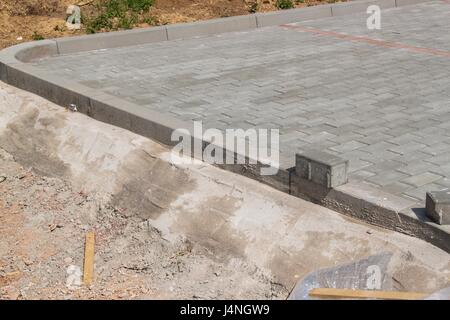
[387,177]
[397,187]
[415,168]
[408,147]
[360,175]
[420,192]
[348,146]
[421,179]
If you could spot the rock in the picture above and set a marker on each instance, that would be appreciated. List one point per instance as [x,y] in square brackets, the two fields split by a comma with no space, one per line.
[68,260]
[27,261]
[73,280]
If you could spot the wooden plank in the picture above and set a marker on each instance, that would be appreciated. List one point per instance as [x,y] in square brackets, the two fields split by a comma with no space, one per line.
[88,273]
[364,294]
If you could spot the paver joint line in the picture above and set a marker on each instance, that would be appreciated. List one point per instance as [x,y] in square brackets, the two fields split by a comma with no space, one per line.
[376,42]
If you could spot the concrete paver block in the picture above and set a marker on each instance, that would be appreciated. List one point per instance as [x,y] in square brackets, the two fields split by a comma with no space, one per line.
[437,206]
[322,168]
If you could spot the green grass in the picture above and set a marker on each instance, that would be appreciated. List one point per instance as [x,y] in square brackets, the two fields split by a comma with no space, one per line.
[139,5]
[284,4]
[36,36]
[253,7]
[116,14]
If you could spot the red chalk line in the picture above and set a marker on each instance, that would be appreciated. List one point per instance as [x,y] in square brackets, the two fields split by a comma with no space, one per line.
[375,42]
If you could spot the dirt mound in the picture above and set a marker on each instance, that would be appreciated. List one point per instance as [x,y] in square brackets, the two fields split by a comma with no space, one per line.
[25,20]
[202,9]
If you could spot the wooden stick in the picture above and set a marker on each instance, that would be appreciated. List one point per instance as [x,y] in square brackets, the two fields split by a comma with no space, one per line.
[85,3]
[88,273]
[361,294]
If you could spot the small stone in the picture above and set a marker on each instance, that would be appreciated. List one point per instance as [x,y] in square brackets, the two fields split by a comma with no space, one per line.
[14,294]
[68,260]
[73,280]
[54,226]
[27,261]
[21,176]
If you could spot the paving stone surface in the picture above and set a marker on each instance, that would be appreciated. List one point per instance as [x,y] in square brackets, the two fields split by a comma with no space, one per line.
[379,98]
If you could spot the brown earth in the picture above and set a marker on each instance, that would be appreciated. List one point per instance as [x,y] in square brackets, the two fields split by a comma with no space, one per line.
[26,20]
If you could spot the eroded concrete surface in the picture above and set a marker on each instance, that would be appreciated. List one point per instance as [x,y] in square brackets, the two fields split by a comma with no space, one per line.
[249,240]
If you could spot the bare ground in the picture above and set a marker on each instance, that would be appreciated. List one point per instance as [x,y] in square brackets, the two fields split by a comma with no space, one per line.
[42,224]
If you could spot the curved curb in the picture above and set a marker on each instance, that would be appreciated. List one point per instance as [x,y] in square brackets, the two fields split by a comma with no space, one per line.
[357,200]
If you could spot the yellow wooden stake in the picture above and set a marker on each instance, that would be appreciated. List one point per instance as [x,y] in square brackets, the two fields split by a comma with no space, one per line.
[88,273]
[365,294]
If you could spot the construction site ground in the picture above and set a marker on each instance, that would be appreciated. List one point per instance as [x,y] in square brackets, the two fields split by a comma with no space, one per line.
[163,231]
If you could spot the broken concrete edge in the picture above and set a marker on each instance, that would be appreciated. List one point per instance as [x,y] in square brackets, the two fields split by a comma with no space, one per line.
[30,51]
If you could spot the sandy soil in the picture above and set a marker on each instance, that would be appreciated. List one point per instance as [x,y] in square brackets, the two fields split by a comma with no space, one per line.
[163,230]
[43,221]
[19,20]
